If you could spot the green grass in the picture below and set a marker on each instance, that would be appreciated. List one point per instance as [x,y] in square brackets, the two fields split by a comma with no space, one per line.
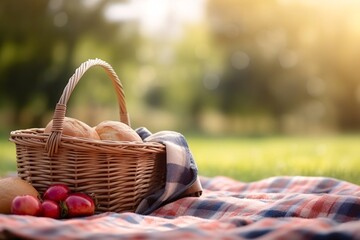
[251,159]
[7,156]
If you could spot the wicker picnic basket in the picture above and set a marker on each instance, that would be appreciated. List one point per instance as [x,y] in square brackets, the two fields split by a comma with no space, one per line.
[118,174]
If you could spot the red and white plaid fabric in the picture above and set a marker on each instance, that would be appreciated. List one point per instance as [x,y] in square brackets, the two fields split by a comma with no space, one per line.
[273,208]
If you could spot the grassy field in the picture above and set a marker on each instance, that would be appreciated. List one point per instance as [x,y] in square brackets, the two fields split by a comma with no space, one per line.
[250,159]
[7,156]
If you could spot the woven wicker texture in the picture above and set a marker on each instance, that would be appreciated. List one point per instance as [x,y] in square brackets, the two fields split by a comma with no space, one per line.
[118,174]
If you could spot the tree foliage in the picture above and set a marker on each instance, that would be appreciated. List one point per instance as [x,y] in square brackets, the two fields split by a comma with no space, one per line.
[39,42]
[293,62]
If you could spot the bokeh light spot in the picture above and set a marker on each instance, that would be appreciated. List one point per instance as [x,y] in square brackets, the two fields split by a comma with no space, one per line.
[60,19]
[288,59]
[315,86]
[240,60]
[211,81]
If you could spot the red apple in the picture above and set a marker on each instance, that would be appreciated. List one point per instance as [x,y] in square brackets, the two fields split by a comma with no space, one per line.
[26,205]
[79,205]
[50,209]
[57,192]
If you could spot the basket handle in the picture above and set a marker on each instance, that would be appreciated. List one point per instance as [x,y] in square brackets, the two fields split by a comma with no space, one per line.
[53,141]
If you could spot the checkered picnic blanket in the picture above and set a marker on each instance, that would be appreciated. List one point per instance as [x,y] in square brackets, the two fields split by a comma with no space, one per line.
[272,208]
[181,170]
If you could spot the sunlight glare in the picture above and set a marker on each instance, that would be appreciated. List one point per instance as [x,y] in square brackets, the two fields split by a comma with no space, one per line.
[158,17]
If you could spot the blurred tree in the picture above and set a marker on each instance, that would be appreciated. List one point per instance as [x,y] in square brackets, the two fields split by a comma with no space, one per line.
[38,44]
[180,77]
[281,61]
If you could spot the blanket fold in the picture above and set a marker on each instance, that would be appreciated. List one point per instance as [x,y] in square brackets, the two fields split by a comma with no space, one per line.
[181,171]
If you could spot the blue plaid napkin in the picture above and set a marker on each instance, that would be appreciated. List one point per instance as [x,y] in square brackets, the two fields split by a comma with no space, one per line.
[181,171]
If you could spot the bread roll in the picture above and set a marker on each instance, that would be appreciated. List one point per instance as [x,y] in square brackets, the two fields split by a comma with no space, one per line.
[116,131]
[76,128]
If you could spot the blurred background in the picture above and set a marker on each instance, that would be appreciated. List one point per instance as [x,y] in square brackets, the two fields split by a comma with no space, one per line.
[203,67]
[211,66]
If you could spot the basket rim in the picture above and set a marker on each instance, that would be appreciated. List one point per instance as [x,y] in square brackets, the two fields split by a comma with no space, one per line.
[39,133]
